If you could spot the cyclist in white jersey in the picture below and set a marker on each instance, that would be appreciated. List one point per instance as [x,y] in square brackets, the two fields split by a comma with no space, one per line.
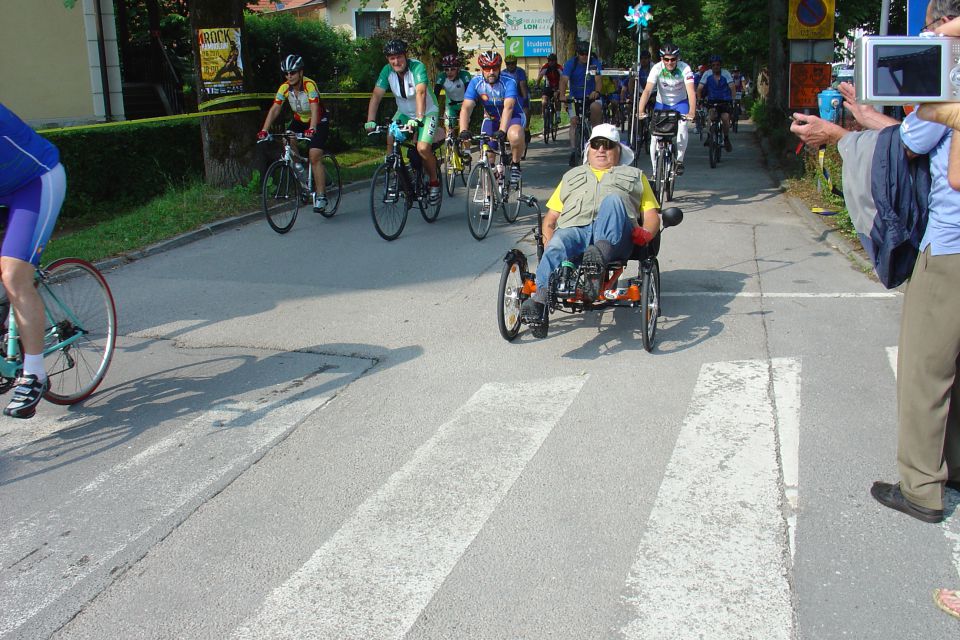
[453,82]
[416,105]
[673,80]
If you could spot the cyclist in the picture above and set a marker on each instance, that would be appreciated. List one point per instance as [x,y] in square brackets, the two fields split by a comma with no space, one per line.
[599,210]
[575,79]
[32,188]
[520,75]
[503,116]
[718,88]
[549,77]
[309,118]
[610,96]
[454,83]
[673,81]
[417,106]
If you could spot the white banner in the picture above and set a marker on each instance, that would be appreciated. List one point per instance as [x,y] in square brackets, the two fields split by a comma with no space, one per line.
[528,23]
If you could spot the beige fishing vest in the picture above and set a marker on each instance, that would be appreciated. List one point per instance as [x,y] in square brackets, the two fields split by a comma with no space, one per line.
[582,194]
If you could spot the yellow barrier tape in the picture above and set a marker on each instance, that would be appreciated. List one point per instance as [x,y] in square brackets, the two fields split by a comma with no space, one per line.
[270,96]
[184,116]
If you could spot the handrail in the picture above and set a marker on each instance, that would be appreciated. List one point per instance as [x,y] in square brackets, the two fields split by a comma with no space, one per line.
[170,83]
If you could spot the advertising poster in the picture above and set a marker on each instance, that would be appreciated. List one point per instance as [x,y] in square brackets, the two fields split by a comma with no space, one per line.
[221,66]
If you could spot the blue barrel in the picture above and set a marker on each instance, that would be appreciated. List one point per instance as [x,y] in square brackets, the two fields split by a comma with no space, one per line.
[830,102]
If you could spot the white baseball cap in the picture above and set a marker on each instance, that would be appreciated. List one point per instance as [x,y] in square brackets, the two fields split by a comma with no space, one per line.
[611,133]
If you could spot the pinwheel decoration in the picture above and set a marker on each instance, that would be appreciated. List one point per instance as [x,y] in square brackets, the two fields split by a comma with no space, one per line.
[639,16]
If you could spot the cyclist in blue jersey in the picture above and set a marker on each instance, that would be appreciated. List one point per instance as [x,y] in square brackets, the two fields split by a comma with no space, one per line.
[717,88]
[520,75]
[503,115]
[578,82]
[32,188]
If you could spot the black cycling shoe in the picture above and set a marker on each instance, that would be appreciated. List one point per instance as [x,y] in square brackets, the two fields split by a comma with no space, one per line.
[679,168]
[594,270]
[26,397]
[573,158]
[535,314]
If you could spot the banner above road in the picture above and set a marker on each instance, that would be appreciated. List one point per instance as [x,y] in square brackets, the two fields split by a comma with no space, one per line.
[528,23]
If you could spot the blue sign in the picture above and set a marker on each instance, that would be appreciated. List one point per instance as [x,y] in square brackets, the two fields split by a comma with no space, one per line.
[916,16]
[537,46]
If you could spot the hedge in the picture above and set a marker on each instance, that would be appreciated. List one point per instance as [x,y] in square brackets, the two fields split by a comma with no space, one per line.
[115,167]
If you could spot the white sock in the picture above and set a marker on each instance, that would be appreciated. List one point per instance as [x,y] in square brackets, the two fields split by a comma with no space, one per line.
[33,366]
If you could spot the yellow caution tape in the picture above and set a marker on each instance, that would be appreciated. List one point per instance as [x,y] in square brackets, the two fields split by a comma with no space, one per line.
[271,96]
[124,123]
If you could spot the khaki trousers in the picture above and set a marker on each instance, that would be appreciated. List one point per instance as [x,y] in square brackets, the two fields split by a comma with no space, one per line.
[928,382]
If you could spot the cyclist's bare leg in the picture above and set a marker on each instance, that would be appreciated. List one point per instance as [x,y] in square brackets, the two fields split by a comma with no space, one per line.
[17,278]
[725,119]
[429,161]
[574,123]
[517,141]
[319,173]
[596,113]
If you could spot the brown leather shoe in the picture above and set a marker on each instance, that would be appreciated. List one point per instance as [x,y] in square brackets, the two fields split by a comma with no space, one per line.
[889,495]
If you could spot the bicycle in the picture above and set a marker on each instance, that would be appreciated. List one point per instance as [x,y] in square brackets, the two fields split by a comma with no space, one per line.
[664,126]
[735,116]
[393,180]
[455,162]
[551,117]
[578,132]
[489,189]
[288,183]
[700,121]
[80,331]
[715,138]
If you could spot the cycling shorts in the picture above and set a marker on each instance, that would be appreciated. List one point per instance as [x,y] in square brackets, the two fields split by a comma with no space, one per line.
[453,108]
[33,211]
[724,106]
[427,131]
[683,107]
[491,126]
[574,109]
[319,138]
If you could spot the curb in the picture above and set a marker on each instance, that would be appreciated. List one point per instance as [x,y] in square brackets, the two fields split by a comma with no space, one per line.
[826,233]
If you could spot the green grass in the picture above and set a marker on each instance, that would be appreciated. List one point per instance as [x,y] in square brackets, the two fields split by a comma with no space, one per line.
[181,209]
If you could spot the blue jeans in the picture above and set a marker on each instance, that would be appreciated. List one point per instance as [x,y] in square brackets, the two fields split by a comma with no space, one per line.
[611,231]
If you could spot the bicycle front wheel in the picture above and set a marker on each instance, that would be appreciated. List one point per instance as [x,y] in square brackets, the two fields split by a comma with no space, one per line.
[450,168]
[79,308]
[713,149]
[332,183]
[660,176]
[481,196]
[281,196]
[387,205]
[511,210]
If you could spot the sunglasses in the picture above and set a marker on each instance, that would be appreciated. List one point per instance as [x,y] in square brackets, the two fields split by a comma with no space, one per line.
[936,23]
[490,68]
[669,59]
[291,73]
[598,143]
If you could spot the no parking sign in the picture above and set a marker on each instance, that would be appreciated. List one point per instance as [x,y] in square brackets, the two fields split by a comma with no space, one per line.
[810,20]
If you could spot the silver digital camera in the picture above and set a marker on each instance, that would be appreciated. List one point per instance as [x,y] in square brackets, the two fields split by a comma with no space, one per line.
[907,69]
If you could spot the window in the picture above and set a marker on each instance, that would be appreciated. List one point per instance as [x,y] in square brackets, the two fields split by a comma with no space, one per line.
[369,22]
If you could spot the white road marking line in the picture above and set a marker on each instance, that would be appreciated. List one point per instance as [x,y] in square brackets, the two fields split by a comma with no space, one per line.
[881,295]
[712,561]
[45,556]
[786,391]
[951,498]
[375,575]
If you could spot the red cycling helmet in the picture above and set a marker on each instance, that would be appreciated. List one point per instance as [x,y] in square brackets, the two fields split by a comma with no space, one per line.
[490,60]
[450,60]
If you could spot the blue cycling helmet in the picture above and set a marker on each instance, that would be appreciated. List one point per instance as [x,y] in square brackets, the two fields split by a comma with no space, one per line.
[715,58]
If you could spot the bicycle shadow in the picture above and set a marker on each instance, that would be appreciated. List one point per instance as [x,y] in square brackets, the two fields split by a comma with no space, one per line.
[685,322]
[117,415]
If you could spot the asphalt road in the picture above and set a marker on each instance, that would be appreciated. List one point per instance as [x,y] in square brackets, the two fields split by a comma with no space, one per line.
[323,435]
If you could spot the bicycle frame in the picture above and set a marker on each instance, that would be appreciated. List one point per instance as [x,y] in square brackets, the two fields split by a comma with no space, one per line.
[485,153]
[291,155]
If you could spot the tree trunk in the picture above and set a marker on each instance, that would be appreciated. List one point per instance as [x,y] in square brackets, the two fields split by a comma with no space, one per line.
[565,28]
[439,38]
[778,73]
[228,140]
[616,10]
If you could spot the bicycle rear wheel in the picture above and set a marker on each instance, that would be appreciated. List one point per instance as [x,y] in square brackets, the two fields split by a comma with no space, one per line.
[280,196]
[511,210]
[650,303]
[332,183]
[387,205]
[713,148]
[481,195]
[430,212]
[77,304]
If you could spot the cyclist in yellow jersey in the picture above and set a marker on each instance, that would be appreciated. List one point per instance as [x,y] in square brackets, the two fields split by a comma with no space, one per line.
[309,118]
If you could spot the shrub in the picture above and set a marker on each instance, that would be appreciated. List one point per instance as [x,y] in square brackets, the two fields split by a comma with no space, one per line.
[110,168]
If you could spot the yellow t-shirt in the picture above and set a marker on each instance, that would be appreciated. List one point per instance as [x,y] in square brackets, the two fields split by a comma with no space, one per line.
[648,201]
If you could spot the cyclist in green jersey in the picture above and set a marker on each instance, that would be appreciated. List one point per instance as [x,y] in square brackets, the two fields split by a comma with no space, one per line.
[453,83]
[407,79]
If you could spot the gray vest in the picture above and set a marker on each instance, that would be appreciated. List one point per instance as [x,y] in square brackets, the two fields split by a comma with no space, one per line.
[582,194]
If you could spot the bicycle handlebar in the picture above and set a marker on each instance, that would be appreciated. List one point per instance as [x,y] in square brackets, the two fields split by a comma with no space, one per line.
[285,134]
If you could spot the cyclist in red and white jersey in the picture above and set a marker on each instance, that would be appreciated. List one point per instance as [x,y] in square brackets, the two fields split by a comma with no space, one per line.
[549,76]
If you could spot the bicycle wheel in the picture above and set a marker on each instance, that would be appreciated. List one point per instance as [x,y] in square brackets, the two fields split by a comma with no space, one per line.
[508,299]
[333,185]
[511,204]
[650,303]
[449,168]
[547,124]
[671,174]
[717,148]
[481,195]
[427,210]
[712,148]
[280,196]
[78,305]
[387,205]
[661,176]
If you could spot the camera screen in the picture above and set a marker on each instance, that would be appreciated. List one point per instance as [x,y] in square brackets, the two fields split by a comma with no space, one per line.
[907,70]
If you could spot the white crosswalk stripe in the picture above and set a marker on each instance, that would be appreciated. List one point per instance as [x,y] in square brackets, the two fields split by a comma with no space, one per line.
[377,573]
[715,540]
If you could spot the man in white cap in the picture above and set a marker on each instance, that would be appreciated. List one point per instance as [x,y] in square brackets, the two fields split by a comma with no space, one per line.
[599,210]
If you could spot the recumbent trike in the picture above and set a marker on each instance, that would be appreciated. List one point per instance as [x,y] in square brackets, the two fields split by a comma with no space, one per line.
[566,284]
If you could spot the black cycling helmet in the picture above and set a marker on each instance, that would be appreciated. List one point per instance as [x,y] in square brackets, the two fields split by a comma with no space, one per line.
[395,47]
[552,57]
[583,46]
[669,49]
[645,53]
[291,63]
